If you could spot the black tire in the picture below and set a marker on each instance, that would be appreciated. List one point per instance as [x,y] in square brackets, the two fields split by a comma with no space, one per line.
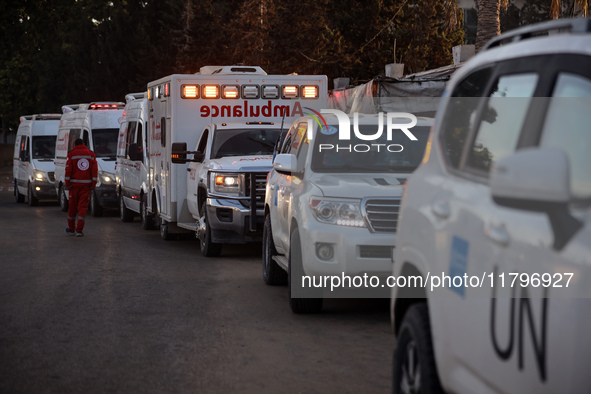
[273,274]
[164,233]
[295,272]
[96,209]
[33,201]
[147,218]
[63,200]
[125,214]
[414,361]
[18,197]
[208,247]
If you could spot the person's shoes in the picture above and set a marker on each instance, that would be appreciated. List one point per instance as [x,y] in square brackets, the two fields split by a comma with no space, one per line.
[79,234]
[70,232]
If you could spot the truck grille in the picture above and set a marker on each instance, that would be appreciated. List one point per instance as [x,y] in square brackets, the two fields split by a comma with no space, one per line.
[51,176]
[381,214]
[261,185]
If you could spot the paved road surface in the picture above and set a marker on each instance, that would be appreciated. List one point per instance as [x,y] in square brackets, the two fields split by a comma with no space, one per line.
[121,310]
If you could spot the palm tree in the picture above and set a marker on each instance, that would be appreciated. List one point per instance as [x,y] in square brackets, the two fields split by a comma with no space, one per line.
[489,23]
[573,8]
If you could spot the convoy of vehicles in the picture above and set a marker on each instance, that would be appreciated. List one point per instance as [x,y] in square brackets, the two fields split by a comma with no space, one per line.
[500,198]
[502,203]
[331,206]
[34,152]
[217,112]
[98,125]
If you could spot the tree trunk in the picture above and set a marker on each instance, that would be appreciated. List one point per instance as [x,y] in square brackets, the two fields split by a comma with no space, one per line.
[489,23]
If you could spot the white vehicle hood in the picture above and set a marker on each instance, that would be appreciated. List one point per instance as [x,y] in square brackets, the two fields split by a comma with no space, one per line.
[243,163]
[106,165]
[45,165]
[360,185]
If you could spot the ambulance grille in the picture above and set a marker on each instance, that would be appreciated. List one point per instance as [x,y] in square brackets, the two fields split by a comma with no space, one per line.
[381,214]
[261,185]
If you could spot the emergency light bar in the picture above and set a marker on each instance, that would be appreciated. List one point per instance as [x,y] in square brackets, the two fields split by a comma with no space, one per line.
[106,106]
[233,92]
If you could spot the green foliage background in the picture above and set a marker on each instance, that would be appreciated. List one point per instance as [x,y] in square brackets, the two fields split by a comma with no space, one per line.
[56,52]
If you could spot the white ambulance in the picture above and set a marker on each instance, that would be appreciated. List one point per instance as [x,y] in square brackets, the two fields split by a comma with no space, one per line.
[34,152]
[181,106]
[131,170]
[98,125]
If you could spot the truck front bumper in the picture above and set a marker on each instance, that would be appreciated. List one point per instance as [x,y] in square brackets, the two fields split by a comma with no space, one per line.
[107,195]
[229,221]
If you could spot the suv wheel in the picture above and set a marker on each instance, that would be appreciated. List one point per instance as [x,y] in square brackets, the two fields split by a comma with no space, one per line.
[414,361]
[273,274]
[64,204]
[208,247]
[295,272]
[125,214]
[17,195]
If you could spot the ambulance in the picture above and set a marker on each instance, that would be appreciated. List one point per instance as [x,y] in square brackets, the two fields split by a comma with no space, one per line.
[131,170]
[219,100]
[34,152]
[97,124]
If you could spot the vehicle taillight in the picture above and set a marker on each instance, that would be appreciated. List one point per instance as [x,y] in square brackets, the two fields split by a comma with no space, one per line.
[189,91]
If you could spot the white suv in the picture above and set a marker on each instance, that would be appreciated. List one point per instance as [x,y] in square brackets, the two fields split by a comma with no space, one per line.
[331,206]
[496,225]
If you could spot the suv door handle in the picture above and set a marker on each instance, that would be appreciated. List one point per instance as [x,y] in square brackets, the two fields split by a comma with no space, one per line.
[272,187]
[282,192]
[498,234]
[441,210]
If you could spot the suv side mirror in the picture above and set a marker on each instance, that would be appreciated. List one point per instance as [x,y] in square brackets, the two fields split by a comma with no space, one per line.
[538,180]
[285,163]
[135,152]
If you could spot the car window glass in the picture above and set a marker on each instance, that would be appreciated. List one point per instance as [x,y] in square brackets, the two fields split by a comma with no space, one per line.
[502,120]
[567,127]
[460,113]
[288,138]
[203,142]
[301,145]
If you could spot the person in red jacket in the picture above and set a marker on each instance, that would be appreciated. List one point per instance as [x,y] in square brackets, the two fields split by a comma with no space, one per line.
[81,176]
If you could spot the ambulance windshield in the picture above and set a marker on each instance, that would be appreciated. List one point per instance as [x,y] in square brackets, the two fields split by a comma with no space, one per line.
[251,142]
[43,147]
[105,142]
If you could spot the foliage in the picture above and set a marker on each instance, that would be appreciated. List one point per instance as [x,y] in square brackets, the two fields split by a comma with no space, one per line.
[56,52]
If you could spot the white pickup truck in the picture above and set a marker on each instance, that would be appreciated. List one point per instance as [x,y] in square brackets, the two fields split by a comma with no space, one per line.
[226,182]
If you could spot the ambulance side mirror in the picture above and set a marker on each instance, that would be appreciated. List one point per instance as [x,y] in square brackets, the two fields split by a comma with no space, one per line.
[179,153]
[135,152]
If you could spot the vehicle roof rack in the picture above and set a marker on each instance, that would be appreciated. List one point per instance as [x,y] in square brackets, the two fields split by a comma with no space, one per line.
[134,96]
[41,117]
[574,25]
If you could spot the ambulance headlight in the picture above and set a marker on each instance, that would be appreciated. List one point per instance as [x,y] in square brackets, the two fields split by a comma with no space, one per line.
[40,176]
[342,211]
[227,183]
[106,178]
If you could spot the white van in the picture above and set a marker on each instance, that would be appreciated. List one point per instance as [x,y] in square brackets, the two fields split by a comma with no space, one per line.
[98,125]
[34,152]
[131,170]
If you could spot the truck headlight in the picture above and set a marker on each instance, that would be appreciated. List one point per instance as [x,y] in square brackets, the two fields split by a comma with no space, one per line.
[342,212]
[227,183]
